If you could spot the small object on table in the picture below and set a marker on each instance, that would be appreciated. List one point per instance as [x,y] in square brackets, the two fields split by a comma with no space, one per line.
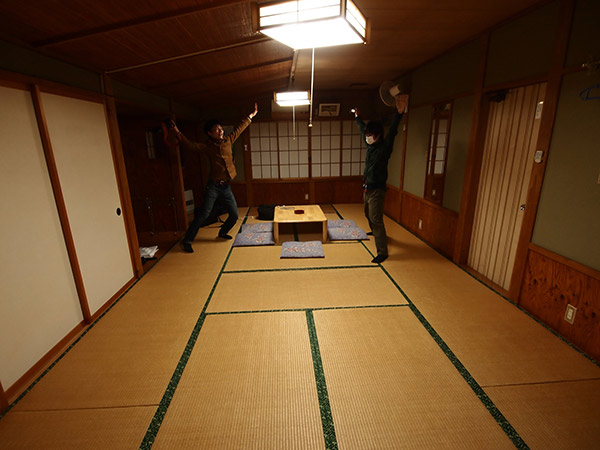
[298,211]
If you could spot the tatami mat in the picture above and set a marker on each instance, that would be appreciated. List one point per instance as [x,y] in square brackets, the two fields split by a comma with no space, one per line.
[476,322]
[263,291]
[390,386]
[248,384]
[114,429]
[553,416]
[128,357]
[426,375]
[268,257]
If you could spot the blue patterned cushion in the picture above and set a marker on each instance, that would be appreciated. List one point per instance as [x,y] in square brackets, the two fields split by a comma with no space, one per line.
[346,234]
[310,249]
[249,239]
[341,224]
[265,227]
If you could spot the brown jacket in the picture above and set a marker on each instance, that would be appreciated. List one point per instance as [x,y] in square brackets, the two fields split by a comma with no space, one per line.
[220,153]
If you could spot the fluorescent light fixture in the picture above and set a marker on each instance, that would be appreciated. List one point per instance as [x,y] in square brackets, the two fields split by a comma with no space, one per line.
[313,23]
[292,98]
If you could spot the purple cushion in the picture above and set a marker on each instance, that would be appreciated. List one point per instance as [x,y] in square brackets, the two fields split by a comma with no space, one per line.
[346,234]
[250,239]
[341,224]
[294,249]
[265,227]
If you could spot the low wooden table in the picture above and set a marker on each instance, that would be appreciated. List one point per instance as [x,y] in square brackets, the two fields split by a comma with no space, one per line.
[287,214]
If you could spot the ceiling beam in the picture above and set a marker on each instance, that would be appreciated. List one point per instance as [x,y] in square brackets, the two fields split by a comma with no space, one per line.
[221,73]
[214,4]
[250,41]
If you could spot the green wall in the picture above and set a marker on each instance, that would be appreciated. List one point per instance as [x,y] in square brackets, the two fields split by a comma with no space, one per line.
[417,142]
[452,74]
[569,209]
[524,47]
[20,60]
[460,128]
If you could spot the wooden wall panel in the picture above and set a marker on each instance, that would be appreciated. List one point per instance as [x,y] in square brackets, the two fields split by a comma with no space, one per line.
[150,179]
[239,192]
[551,282]
[438,224]
[344,190]
[392,203]
[280,193]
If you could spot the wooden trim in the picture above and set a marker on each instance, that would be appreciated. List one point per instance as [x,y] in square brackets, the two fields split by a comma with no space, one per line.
[113,299]
[3,399]
[489,283]
[60,201]
[70,92]
[592,273]
[21,385]
[177,176]
[515,84]
[466,216]
[567,9]
[123,184]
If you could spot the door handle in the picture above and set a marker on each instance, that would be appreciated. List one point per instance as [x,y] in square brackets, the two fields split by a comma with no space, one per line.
[522,207]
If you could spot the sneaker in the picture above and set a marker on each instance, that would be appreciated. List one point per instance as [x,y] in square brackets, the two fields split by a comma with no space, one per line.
[379,259]
[187,247]
[225,236]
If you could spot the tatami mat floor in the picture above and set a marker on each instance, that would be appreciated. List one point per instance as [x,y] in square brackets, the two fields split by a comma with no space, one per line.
[235,348]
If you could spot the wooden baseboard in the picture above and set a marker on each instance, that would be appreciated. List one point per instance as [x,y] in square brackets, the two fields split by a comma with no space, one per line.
[24,382]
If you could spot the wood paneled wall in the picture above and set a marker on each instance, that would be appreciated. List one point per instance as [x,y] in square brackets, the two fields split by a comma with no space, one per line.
[292,192]
[438,224]
[392,203]
[346,190]
[551,282]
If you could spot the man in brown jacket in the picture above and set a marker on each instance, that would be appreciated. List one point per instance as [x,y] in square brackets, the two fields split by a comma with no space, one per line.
[222,171]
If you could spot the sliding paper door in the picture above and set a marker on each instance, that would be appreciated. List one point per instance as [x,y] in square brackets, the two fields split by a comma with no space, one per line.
[81,145]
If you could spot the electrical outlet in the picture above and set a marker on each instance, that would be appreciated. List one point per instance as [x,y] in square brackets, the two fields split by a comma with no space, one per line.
[570,314]
[420,224]
[305,196]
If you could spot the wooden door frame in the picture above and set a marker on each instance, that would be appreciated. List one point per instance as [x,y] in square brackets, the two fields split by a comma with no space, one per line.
[477,141]
[567,9]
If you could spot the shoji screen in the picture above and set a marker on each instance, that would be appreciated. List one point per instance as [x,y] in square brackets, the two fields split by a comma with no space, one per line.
[81,145]
[39,304]
[354,150]
[279,150]
[326,143]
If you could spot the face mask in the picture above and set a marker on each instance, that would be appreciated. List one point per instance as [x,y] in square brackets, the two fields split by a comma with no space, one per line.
[370,140]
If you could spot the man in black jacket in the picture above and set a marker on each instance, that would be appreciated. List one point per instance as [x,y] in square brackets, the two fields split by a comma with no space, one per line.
[379,150]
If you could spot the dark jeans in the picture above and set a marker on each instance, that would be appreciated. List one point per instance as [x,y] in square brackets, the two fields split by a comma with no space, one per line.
[374,201]
[213,193]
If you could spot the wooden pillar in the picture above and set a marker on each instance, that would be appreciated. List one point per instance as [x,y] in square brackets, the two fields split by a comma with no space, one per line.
[468,200]
[121,175]
[177,176]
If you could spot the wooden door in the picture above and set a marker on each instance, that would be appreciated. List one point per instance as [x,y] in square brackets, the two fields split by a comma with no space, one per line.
[508,156]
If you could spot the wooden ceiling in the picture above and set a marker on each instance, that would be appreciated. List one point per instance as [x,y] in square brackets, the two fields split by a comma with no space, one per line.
[202,52]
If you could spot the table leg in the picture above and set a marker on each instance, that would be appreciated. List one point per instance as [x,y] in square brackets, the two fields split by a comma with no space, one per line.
[324,232]
[276,232]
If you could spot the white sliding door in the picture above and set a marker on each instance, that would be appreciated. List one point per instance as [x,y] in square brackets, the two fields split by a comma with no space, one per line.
[81,145]
[38,300]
